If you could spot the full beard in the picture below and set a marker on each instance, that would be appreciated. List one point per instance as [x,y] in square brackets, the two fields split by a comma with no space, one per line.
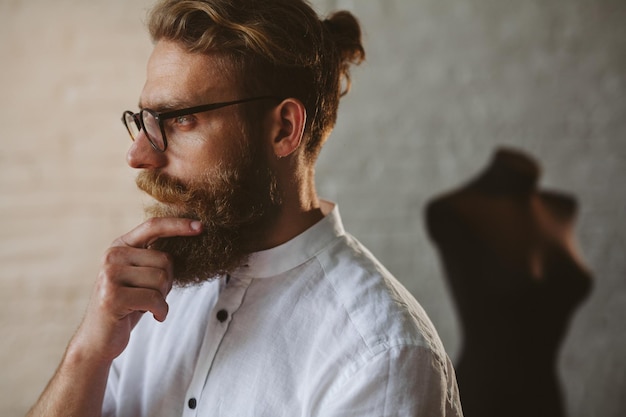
[235,207]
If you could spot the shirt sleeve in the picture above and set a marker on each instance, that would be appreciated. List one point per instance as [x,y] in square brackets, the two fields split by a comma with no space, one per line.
[402,381]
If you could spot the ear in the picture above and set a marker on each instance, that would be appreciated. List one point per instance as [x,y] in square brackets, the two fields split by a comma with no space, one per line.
[289,120]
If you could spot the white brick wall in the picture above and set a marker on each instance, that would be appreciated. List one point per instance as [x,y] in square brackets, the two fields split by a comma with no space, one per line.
[445,82]
[68,71]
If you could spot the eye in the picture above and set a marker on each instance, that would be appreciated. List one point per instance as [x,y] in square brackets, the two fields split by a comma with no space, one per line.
[183,121]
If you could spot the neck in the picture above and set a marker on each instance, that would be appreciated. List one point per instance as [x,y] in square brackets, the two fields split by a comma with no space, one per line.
[510,171]
[299,210]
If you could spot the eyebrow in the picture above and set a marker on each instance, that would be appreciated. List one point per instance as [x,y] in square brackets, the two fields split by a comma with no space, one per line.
[173,104]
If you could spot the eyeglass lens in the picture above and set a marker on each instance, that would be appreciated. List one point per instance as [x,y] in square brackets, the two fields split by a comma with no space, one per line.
[149,122]
[153,129]
[132,124]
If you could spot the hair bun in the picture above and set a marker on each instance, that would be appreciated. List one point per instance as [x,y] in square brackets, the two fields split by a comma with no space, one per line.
[346,33]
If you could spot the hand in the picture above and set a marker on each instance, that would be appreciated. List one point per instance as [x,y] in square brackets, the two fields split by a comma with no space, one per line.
[133,279]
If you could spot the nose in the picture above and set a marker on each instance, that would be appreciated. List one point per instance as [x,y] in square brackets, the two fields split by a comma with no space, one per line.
[142,155]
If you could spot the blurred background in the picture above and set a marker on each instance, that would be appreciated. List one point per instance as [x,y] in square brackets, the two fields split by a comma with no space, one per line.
[446,82]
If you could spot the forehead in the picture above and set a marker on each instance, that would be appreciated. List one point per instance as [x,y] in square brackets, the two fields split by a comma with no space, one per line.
[178,78]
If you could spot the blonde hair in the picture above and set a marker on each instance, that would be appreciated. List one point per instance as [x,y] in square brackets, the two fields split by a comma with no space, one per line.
[277,47]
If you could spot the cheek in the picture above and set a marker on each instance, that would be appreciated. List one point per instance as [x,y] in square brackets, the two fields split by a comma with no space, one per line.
[199,151]
[218,143]
[236,143]
[186,162]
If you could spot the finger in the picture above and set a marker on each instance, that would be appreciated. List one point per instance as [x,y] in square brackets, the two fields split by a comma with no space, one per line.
[159,279]
[135,267]
[130,300]
[152,229]
[125,255]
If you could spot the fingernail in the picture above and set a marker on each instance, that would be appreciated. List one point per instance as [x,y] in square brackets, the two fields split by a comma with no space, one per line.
[196,225]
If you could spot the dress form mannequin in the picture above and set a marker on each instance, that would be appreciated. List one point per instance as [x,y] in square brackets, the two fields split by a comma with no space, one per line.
[508,253]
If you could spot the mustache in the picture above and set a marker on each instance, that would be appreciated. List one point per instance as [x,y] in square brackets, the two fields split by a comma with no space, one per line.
[165,188]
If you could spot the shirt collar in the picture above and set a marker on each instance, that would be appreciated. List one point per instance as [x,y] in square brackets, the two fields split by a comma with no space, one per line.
[295,252]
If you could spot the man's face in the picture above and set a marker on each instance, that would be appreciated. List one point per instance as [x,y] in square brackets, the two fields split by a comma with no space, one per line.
[215,167]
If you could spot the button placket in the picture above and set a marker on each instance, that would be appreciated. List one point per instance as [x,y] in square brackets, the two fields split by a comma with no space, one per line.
[230,299]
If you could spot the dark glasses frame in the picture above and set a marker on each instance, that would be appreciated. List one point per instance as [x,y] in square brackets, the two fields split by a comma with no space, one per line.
[138,118]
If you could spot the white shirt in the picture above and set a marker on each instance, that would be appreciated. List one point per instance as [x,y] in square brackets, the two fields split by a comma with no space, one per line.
[314,327]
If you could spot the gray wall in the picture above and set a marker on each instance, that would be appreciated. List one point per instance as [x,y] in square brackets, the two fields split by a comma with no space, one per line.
[445,83]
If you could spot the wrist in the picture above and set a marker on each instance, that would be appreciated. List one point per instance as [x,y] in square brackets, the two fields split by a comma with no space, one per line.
[79,355]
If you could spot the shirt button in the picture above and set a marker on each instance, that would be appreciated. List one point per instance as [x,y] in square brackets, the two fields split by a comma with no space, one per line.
[192,403]
[222,315]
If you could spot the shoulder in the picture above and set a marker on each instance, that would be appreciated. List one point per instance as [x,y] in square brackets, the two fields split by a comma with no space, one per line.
[380,309]
[391,340]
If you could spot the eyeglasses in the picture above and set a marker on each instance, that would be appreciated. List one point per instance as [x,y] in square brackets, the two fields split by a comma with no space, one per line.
[151,122]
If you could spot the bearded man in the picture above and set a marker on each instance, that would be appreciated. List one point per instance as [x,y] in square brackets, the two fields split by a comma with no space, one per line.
[275,310]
